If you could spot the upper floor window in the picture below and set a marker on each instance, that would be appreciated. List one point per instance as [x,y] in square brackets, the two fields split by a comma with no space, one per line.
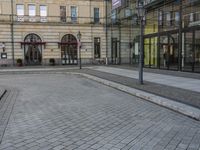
[191,17]
[169,18]
[63,13]
[176,18]
[114,16]
[160,18]
[31,10]
[43,13]
[96,15]
[20,10]
[73,13]
[43,10]
[126,3]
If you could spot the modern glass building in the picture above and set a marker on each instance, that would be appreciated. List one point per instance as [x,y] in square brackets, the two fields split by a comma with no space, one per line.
[122,32]
[172,35]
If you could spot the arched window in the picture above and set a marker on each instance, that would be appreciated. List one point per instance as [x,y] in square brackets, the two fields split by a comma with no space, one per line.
[69,49]
[33,49]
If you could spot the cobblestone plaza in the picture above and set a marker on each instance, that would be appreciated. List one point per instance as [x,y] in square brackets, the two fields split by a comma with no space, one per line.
[61,111]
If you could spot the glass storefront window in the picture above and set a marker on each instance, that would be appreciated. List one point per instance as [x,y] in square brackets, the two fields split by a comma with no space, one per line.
[197,51]
[146,52]
[188,58]
[169,51]
[164,55]
[150,52]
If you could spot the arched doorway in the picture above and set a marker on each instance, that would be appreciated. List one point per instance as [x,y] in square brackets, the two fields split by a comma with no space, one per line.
[69,49]
[33,49]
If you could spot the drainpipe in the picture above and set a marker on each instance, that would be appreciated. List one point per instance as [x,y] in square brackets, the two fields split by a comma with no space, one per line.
[12,32]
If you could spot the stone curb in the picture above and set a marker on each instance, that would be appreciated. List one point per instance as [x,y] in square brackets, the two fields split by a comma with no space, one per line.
[170,104]
[2,92]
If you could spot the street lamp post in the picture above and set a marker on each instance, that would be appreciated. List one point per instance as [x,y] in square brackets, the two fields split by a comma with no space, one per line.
[79,40]
[141,14]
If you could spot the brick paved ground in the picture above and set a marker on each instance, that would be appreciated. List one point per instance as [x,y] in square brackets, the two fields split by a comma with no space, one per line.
[55,111]
[6,106]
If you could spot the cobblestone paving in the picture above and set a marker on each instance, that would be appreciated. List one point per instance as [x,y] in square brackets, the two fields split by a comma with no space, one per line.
[6,106]
[55,111]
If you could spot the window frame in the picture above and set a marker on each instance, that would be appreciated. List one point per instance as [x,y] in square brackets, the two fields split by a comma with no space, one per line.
[19,14]
[63,14]
[29,10]
[97,52]
[43,10]
[74,19]
[96,20]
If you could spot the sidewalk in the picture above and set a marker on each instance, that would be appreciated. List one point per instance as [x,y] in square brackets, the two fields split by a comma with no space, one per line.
[181,89]
[169,80]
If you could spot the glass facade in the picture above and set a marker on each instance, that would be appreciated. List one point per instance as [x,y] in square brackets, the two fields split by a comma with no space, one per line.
[172,36]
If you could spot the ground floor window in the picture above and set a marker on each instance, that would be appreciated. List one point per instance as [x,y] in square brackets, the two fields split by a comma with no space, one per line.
[191,51]
[97,49]
[115,51]
[150,52]
[163,51]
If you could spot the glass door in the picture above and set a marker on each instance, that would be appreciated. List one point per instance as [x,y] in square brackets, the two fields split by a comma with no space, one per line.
[188,59]
[115,51]
[150,52]
[173,51]
[164,53]
[169,52]
[197,51]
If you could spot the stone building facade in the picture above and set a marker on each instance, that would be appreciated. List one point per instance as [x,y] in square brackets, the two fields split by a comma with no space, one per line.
[36,31]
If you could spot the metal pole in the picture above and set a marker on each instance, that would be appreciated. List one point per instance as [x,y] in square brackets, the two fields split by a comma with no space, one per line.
[180,39]
[79,55]
[106,31]
[141,52]
[12,32]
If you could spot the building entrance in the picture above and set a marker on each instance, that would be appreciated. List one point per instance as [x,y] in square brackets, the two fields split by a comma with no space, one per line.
[191,51]
[33,50]
[169,52]
[69,47]
[115,51]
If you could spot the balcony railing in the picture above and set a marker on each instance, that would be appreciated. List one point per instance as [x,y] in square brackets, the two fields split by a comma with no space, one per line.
[52,19]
